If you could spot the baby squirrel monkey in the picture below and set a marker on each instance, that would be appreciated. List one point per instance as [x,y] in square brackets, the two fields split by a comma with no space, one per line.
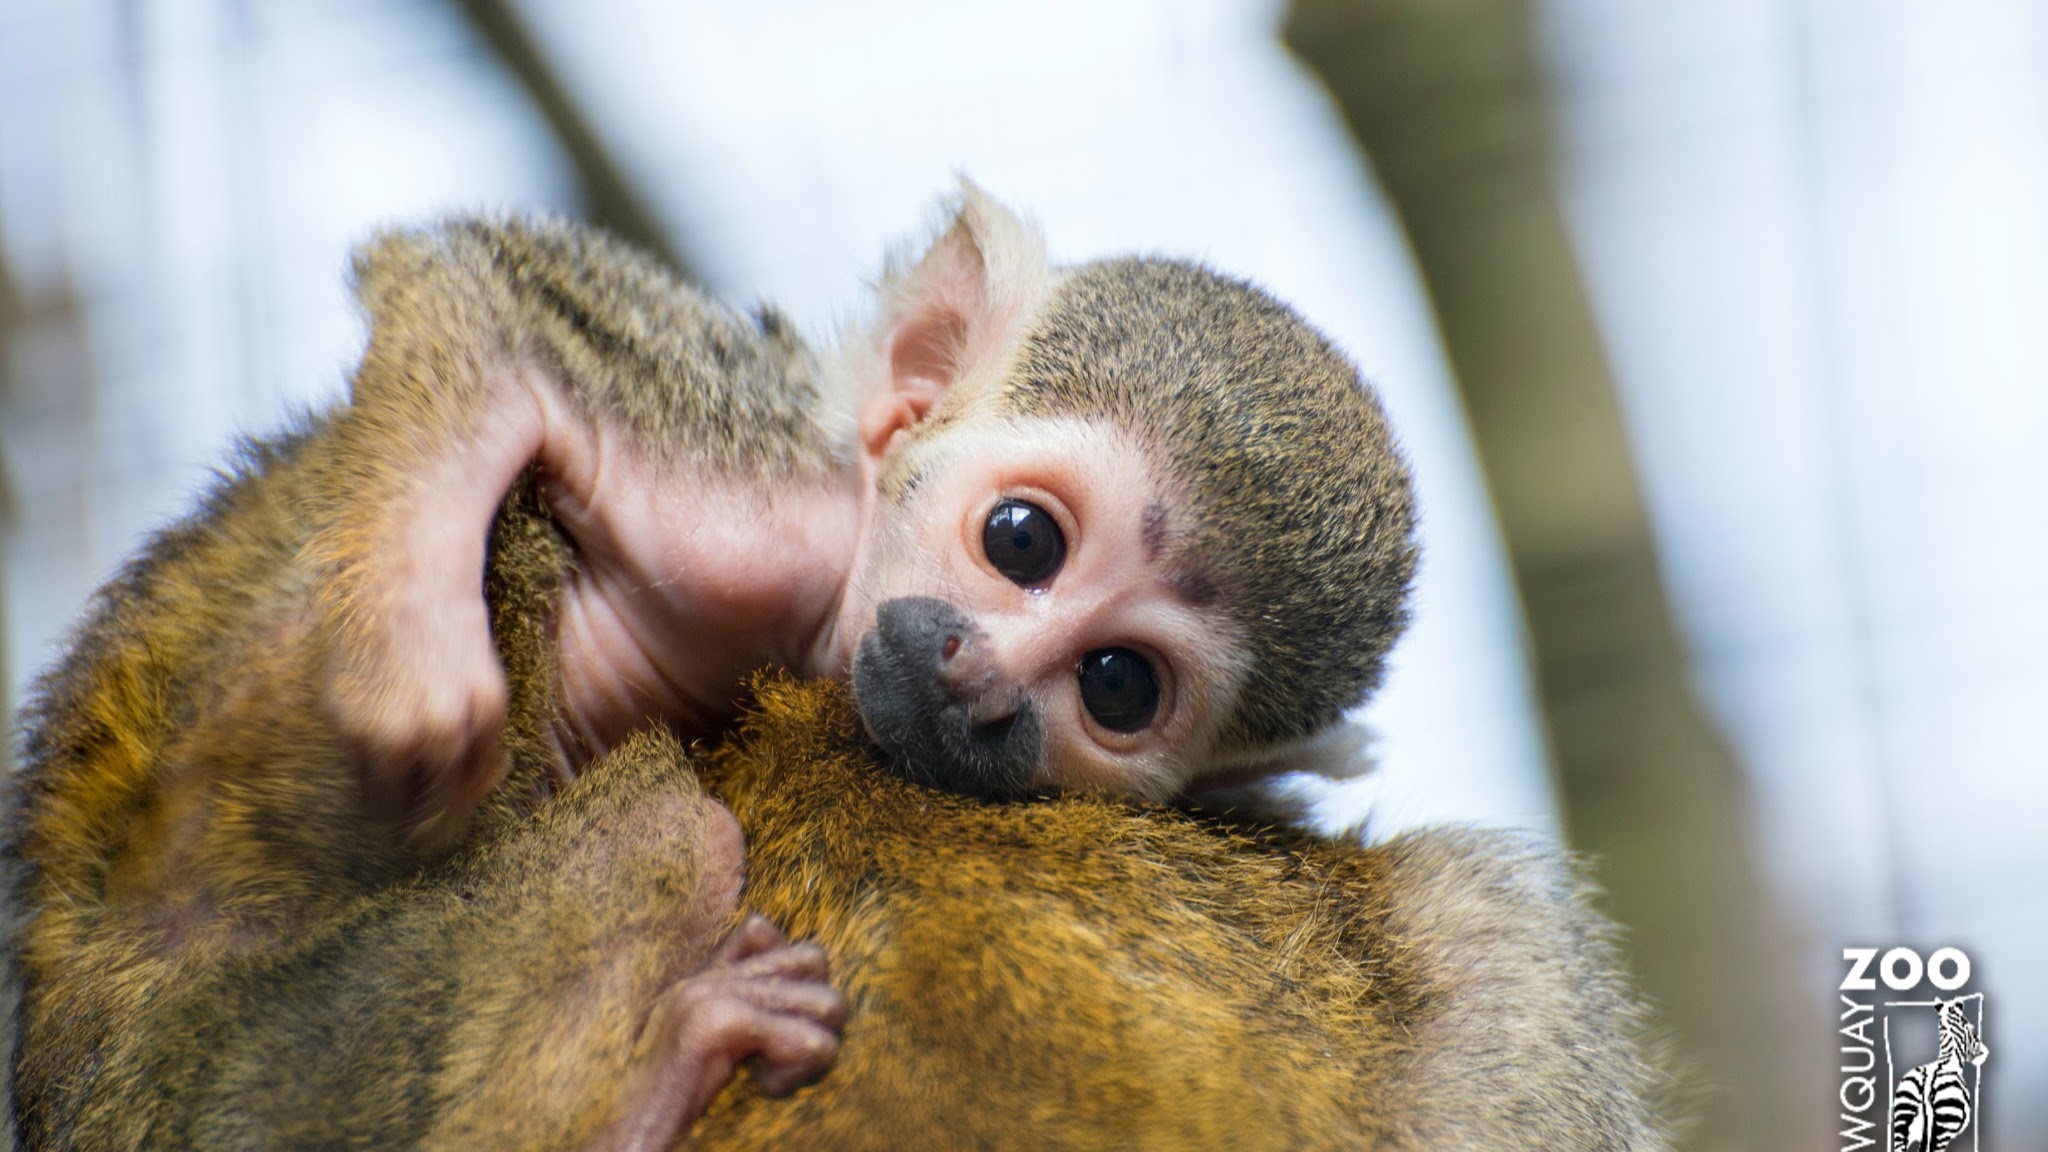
[1118,527]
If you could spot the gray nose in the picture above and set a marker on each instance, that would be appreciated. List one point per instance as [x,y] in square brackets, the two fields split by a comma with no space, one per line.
[916,711]
[923,631]
[937,639]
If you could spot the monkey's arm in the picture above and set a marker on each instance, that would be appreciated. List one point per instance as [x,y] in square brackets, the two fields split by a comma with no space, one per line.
[495,345]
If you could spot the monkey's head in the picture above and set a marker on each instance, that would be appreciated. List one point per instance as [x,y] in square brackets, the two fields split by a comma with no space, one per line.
[1135,523]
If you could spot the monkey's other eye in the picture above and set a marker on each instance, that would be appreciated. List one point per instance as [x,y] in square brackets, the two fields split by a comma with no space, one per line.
[1023,542]
[1119,689]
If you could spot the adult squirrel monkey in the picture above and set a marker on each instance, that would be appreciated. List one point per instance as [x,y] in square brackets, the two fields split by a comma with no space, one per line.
[1105,530]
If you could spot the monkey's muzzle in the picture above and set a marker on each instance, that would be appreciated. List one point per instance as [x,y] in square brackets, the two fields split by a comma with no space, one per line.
[929,734]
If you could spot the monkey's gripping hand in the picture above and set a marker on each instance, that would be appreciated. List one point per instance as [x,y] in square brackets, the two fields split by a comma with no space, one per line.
[761,1000]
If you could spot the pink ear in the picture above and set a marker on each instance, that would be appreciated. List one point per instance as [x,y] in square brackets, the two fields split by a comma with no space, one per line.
[926,354]
[925,338]
[958,305]
[935,305]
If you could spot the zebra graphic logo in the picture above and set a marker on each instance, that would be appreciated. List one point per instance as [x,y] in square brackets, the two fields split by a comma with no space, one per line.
[1932,1103]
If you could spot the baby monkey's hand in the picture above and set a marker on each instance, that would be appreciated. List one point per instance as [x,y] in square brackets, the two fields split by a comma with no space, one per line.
[761,1000]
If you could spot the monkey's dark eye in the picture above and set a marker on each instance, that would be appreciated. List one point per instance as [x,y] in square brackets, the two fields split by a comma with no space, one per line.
[1023,543]
[1119,689]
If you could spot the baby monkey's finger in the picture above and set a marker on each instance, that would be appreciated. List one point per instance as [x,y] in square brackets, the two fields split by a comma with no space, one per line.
[794,1052]
[755,935]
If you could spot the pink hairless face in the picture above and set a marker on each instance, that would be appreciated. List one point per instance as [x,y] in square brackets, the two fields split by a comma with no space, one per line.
[1040,630]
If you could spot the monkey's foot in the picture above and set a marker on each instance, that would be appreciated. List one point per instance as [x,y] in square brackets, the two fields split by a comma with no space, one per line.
[761,1000]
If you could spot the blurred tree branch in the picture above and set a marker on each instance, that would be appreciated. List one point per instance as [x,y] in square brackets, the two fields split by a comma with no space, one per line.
[46,387]
[11,310]
[1448,100]
[608,195]
[10,315]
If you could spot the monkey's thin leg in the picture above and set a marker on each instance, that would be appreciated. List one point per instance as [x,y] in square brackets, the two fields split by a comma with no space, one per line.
[561,987]
[760,996]
[658,1022]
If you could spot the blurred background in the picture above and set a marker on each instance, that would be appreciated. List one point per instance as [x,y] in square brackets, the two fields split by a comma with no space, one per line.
[1715,333]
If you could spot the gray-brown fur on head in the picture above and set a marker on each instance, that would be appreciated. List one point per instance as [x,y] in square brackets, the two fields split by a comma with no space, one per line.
[1302,507]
